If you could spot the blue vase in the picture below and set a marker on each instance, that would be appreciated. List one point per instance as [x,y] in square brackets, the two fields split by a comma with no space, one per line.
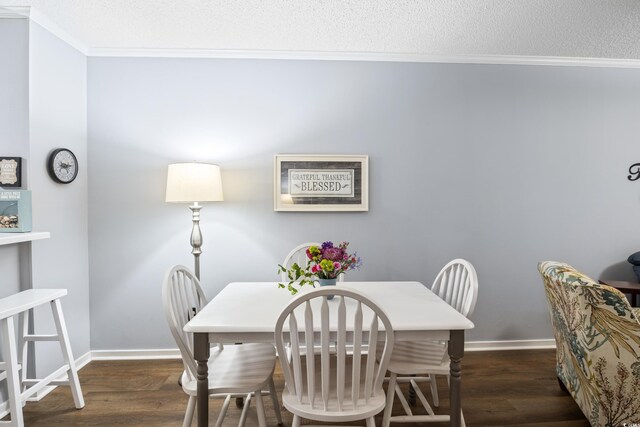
[327,282]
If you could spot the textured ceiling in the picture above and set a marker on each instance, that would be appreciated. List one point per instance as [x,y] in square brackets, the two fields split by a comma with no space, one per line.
[547,28]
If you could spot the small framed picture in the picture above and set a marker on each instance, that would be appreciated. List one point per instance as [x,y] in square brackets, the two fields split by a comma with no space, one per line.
[10,172]
[321,182]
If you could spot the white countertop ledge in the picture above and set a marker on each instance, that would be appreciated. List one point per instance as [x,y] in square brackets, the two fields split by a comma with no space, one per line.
[10,238]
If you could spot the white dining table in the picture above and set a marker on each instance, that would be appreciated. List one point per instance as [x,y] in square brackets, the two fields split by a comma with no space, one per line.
[245,312]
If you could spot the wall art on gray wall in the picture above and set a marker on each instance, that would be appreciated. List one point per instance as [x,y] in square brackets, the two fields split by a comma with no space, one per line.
[634,172]
[10,171]
[321,182]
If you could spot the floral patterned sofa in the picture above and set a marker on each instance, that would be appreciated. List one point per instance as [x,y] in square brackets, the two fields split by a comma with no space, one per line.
[598,345]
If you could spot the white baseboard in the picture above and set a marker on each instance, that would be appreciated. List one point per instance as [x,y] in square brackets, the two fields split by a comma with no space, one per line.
[174,353]
[81,362]
[171,353]
[510,345]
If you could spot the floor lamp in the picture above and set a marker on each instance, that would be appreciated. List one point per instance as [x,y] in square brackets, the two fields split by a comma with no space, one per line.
[194,183]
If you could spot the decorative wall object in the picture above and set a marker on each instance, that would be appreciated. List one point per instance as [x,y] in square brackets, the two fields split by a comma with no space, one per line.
[634,172]
[321,182]
[15,211]
[62,166]
[11,172]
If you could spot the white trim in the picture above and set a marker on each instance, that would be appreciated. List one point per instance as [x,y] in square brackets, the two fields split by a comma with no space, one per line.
[81,362]
[39,18]
[510,345]
[363,56]
[174,353]
[171,353]
[14,12]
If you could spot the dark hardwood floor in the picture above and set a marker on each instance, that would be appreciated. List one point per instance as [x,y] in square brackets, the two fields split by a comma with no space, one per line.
[515,388]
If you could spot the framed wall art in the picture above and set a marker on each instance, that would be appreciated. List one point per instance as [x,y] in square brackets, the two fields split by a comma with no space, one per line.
[321,182]
[15,211]
[10,172]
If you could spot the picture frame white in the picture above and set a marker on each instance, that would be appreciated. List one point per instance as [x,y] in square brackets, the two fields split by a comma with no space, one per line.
[321,183]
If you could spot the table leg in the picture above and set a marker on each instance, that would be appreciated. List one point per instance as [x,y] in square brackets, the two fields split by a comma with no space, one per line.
[201,353]
[456,351]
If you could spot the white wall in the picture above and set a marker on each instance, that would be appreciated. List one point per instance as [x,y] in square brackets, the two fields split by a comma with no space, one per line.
[502,165]
[58,118]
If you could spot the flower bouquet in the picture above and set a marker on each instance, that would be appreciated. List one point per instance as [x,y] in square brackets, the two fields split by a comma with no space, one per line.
[326,262]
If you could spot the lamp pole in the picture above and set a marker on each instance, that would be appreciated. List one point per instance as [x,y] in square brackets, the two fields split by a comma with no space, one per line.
[196,236]
[194,183]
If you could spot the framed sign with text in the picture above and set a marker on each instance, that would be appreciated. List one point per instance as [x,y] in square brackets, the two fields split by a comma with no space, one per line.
[321,182]
[10,171]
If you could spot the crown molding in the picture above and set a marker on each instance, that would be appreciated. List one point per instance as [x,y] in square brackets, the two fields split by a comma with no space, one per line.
[364,56]
[34,15]
[14,12]
[26,12]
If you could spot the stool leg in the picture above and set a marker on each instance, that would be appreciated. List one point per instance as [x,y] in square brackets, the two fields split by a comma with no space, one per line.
[61,327]
[23,347]
[10,357]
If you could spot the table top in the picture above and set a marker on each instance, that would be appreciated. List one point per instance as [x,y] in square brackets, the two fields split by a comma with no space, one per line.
[249,310]
[622,285]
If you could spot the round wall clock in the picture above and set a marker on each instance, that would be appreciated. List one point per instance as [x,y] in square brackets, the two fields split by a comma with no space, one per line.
[62,166]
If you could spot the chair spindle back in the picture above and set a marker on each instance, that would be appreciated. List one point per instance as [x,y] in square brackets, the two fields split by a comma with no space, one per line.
[457,284]
[182,298]
[350,320]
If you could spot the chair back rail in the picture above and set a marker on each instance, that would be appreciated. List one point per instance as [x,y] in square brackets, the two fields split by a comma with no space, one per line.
[301,369]
[183,297]
[457,284]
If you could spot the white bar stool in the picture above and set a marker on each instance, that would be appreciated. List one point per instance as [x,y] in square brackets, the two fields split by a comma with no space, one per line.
[19,387]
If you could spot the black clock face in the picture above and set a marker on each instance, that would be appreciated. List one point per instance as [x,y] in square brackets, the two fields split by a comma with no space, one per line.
[62,166]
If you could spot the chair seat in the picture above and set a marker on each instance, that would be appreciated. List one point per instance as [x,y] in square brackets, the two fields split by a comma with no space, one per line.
[422,357]
[236,369]
[333,413]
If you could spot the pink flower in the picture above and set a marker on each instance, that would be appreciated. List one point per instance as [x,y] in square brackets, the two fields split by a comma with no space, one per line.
[315,268]
[337,266]
[333,254]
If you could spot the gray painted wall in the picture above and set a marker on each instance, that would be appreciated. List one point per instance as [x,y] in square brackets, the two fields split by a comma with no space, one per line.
[43,90]
[14,87]
[57,118]
[502,165]
[14,125]
[43,87]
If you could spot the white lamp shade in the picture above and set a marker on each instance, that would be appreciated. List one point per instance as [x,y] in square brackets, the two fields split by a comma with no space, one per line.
[193,182]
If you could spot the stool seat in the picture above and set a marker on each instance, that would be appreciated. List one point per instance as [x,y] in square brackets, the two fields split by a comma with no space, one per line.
[26,300]
[19,386]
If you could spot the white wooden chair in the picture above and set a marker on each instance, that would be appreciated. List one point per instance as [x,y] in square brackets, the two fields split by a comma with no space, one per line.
[339,388]
[234,371]
[299,255]
[457,284]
